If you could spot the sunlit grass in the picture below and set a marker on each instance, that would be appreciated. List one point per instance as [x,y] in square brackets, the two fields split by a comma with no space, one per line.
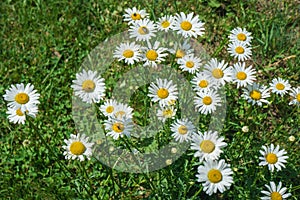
[45,44]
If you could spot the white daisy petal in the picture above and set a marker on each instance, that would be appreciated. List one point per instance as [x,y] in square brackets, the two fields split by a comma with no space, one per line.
[163,91]
[118,126]
[142,30]
[240,35]
[165,23]
[129,52]
[188,25]
[295,94]
[207,101]
[133,14]
[189,63]
[275,192]
[88,86]
[77,147]
[182,130]
[256,94]
[16,116]
[208,145]
[213,176]
[218,71]
[239,50]
[243,76]
[21,97]
[153,54]
[271,158]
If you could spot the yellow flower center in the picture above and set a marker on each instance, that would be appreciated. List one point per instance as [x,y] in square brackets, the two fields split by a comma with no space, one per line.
[151,55]
[214,175]
[143,30]
[165,24]
[77,148]
[180,53]
[207,146]
[298,97]
[185,25]
[189,64]
[120,113]
[217,73]
[276,196]
[182,130]
[256,95]
[203,84]
[241,37]
[128,53]
[239,50]
[118,127]
[241,76]
[168,112]
[88,86]
[19,112]
[172,102]
[280,86]
[207,100]
[22,98]
[109,109]
[162,93]
[271,158]
[136,16]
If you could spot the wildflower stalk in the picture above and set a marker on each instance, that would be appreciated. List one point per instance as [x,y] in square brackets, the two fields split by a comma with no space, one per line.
[137,162]
[61,164]
[81,167]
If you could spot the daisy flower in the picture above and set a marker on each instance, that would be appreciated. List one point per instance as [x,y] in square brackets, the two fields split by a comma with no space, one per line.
[240,51]
[77,147]
[215,175]
[273,157]
[133,14]
[203,82]
[165,23]
[142,30]
[23,97]
[89,87]
[165,113]
[163,91]
[16,116]
[153,54]
[123,110]
[182,129]
[109,107]
[118,127]
[188,25]
[240,35]
[218,71]
[189,63]
[243,76]
[275,193]
[129,52]
[256,94]
[207,102]
[295,93]
[182,49]
[207,145]
[280,86]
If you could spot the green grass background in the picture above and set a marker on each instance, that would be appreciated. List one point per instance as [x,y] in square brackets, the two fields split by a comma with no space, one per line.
[45,42]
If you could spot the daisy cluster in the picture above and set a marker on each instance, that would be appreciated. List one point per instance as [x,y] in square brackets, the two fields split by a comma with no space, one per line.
[215,174]
[22,101]
[274,158]
[208,77]
[245,76]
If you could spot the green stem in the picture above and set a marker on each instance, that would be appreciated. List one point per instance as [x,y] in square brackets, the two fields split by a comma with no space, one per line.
[61,164]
